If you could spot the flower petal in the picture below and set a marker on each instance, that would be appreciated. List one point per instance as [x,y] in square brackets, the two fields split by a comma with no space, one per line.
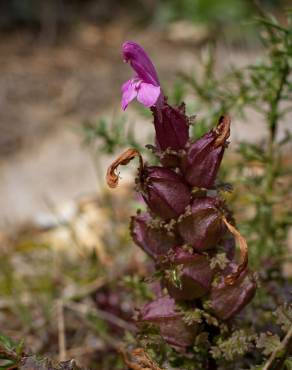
[140,62]
[148,94]
[129,92]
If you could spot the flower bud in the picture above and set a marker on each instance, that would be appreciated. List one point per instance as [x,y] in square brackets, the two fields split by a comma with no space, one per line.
[195,276]
[164,191]
[227,300]
[171,127]
[202,227]
[154,241]
[162,312]
[203,157]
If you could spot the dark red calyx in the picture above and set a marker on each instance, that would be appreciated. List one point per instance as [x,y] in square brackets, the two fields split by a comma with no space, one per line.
[171,126]
[203,157]
[155,241]
[164,191]
[162,313]
[202,226]
[194,275]
[228,300]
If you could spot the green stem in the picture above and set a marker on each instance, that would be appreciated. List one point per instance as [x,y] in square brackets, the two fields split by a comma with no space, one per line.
[277,358]
[274,106]
[273,119]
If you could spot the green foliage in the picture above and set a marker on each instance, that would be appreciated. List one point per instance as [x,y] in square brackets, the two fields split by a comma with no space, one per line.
[268,342]
[238,344]
[196,316]
[9,352]
[138,287]
[12,356]
[203,10]
[110,135]
[193,316]
[288,363]
[283,316]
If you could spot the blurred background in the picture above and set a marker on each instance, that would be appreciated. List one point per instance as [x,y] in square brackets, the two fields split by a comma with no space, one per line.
[61,232]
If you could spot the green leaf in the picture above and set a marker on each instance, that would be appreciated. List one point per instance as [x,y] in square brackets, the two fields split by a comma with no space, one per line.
[8,364]
[284,317]
[268,342]
[235,346]
[288,363]
[6,342]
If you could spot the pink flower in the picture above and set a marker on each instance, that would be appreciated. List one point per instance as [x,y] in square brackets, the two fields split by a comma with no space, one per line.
[144,85]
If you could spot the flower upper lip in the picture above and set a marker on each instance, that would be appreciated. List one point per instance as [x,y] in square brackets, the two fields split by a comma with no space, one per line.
[134,54]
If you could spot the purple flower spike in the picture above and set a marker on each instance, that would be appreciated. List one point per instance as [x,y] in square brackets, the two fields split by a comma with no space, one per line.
[145,85]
